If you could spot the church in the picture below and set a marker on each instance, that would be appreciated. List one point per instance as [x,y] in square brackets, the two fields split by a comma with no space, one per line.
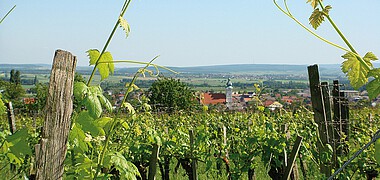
[228,99]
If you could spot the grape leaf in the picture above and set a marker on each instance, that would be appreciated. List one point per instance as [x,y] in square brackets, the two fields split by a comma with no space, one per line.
[93,105]
[317,17]
[127,169]
[88,124]
[93,54]
[80,90]
[355,70]
[374,73]
[106,68]
[105,64]
[370,56]
[373,87]
[104,122]
[313,3]
[125,25]
[105,102]
[18,145]
[77,137]
[129,107]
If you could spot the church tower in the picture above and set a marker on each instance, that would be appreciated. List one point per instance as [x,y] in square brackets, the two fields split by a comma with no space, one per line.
[229,94]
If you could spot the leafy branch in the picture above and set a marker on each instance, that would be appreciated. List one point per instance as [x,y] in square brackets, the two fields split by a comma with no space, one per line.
[124,24]
[358,69]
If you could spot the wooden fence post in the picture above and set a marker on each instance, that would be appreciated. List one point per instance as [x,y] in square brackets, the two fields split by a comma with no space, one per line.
[317,101]
[11,117]
[153,162]
[327,107]
[193,159]
[59,106]
[292,160]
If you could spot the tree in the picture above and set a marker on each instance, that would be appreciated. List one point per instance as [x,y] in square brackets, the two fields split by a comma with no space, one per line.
[15,77]
[171,95]
[35,81]
[79,78]
[12,76]
[13,92]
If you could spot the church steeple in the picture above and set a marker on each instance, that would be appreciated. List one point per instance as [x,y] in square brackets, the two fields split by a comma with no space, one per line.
[229,83]
[229,94]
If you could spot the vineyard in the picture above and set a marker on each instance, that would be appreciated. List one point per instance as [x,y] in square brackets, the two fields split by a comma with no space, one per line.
[77,133]
[225,145]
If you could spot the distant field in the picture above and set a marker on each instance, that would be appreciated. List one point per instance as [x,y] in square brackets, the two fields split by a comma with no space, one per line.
[202,78]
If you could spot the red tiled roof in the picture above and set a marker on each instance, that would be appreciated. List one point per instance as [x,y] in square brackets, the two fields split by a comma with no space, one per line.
[213,98]
[268,102]
[29,100]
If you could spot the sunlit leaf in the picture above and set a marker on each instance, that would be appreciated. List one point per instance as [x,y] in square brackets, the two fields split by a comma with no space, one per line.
[104,122]
[373,88]
[125,25]
[89,125]
[18,146]
[93,54]
[129,107]
[106,66]
[80,90]
[105,63]
[105,102]
[355,70]
[317,17]
[93,105]
[313,3]
[127,169]
[77,137]
[370,57]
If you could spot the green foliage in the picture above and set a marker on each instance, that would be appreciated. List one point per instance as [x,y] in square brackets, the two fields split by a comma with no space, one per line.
[318,16]
[15,77]
[356,71]
[104,63]
[79,78]
[377,151]
[92,98]
[373,86]
[354,66]
[16,144]
[13,92]
[125,25]
[41,94]
[313,3]
[126,169]
[171,95]
[3,109]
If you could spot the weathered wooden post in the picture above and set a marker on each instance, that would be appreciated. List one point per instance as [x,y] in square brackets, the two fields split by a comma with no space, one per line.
[327,107]
[193,159]
[153,162]
[292,160]
[58,109]
[11,117]
[318,104]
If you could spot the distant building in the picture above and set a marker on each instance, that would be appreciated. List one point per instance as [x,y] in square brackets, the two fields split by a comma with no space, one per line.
[275,105]
[213,98]
[29,100]
[229,94]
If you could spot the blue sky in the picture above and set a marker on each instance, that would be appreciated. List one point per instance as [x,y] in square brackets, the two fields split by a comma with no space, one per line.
[184,32]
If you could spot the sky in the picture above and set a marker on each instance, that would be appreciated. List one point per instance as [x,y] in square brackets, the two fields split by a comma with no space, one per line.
[184,32]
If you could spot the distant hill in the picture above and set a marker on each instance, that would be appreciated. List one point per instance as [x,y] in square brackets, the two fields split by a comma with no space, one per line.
[328,69]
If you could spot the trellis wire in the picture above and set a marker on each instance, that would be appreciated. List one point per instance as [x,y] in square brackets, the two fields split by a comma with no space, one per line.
[374,138]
